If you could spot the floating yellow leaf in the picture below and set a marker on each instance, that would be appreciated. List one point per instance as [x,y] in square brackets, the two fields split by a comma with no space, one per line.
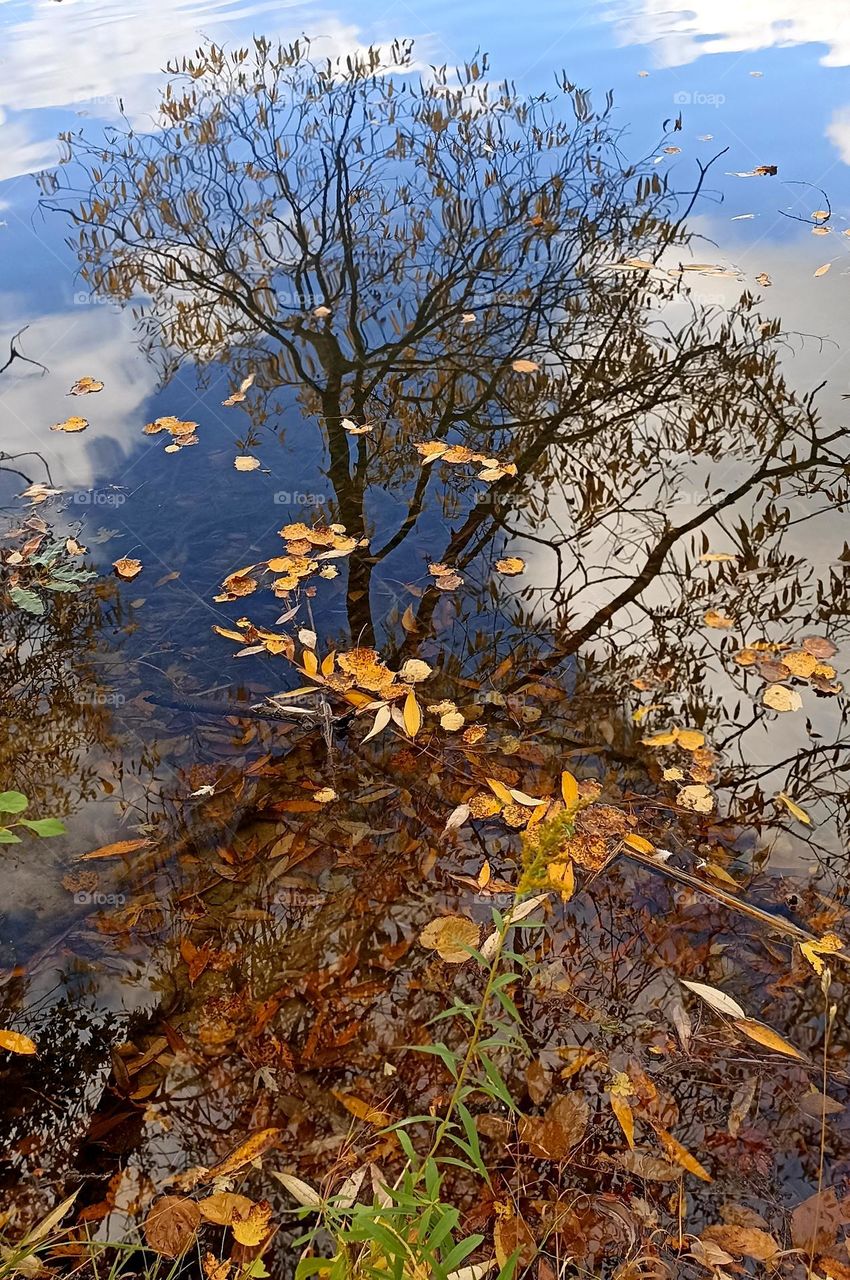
[510,566]
[431,450]
[562,876]
[116,850]
[717,620]
[174,426]
[794,809]
[238,396]
[675,1151]
[245,462]
[85,387]
[780,698]
[127,569]
[412,715]
[625,1117]
[825,946]
[222,1207]
[246,1153]
[800,663]
[524,366]
[70,424]
[414,670]
[451,721]
[500,791]
[822,270]
[638,843]
[16,1042]
[450,936]
[771,1039]
[363,1110]
[253,1228]
[569,789]
[697,798]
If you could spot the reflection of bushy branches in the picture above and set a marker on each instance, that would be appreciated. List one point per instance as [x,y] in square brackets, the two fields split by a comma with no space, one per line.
[48,683]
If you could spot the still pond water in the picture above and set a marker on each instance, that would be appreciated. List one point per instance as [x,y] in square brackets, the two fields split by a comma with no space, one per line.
[630,313]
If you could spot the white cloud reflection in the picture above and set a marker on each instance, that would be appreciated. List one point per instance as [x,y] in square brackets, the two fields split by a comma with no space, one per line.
[679,35]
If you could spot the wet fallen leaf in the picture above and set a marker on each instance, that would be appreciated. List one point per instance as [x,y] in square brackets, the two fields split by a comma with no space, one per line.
[801,663]
[85,387]
[674,1150]
[561,876]
[696,798]
[245,462]
[171,1225]
[174,426]
[510,566]
[553,1135]
[252,1228]
[716,999]
[299,1190]
[412,715]
[638,843]
[625,1117]
[450,937]
[644,1165]
[382,719]
[116,850]
[780,698]
[248,1151]
[362,1110]
[324,795]
[511,1235]
[748,1242]
[221,1207]
[70,425]
[414,670]
[569,789]
[794,809]
[127,568]
[766,1036]
[238,396]
[816,950]
[16,1042]
[822,270]
[524,366]
[719,621]
[353,429]
[431,450]
[819,647]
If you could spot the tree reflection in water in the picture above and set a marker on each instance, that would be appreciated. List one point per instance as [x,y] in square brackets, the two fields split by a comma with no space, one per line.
[385,250]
